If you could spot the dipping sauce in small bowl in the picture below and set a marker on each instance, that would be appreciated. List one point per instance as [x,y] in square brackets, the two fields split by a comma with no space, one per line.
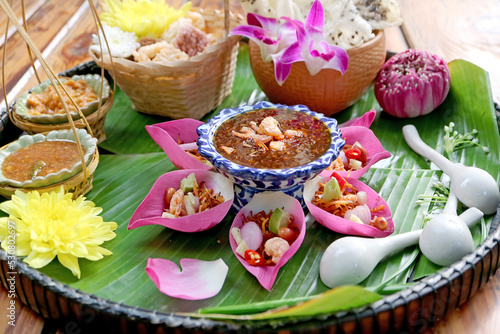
[40,159]
[269,147]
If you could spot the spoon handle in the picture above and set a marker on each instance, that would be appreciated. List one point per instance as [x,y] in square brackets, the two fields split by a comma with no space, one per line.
[417,144]
[471,216]
[395,243]
[451,204]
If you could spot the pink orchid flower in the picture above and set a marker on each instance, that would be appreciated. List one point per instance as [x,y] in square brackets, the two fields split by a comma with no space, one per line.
[152,207]
[287,41]
[271,36]
[345,226]
[195,280]
[267,201]
[310,47]
[169,134]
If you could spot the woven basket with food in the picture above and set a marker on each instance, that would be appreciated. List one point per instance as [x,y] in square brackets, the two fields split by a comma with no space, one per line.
[170,62]
[40,109]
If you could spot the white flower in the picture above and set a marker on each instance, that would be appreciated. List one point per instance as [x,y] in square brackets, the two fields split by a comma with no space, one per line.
[121,43]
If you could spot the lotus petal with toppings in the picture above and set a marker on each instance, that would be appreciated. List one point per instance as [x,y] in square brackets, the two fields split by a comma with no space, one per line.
[345,226]
[369,142]
[267,201]
[150,210]
[195,280]
[168,134]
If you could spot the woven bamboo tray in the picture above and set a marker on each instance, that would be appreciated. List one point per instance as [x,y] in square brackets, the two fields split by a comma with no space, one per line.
[181,89]
[411,310]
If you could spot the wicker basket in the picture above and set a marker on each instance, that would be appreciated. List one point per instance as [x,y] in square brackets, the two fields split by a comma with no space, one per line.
[95,120]
[79,184]
[182,89]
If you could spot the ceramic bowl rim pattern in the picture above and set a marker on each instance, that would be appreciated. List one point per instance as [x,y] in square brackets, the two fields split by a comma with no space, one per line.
[207,149]
[88,142]
[93,80]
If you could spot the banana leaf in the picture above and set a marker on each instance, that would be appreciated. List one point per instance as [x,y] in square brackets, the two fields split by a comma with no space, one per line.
[133,162]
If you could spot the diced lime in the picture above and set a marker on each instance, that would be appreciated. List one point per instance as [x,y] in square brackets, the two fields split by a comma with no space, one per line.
[278,219]
[187,183]
[332,190]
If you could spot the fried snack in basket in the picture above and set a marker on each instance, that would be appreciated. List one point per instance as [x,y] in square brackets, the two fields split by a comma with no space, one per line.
[168,76]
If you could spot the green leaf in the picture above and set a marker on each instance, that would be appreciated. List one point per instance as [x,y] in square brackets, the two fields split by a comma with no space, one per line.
[334,300]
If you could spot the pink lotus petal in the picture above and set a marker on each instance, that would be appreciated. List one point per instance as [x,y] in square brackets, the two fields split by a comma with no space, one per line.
[345,226]
[267,201]
[167,135]
[369,142]
[197,280]
[366,120]
[150,210]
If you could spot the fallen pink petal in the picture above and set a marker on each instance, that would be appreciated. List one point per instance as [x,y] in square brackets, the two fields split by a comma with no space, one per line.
[267,201]
[194,280]
[175,138]
[152,207]
[345,226]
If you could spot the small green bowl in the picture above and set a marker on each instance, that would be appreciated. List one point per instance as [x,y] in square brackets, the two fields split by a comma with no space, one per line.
[88,142]
[22,109]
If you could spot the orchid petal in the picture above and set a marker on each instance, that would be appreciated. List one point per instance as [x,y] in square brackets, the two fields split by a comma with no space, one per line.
[291,55]
[256,20]
[345,226]
[271,35]
[196,280]
[266,201]
[150,210]
[281,70]
[366,120]
[168,134]
[257,34]
[340,61]
[316,17]
[369,142]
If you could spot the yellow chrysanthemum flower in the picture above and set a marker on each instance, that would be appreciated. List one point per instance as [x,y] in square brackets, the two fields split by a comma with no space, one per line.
[146,18]
[53,224]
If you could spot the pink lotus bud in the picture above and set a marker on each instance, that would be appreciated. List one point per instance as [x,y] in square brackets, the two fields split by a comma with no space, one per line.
[412,83]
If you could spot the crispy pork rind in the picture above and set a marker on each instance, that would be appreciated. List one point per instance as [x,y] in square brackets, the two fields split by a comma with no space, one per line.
[379,14]
[150,210]
[266,201]
[195,280]
[168,135]
[345,226]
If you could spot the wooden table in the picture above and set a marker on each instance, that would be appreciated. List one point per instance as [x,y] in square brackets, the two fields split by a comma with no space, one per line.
[465,29]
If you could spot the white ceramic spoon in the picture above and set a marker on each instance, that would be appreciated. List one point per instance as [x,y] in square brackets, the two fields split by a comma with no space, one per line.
[446,238]
[349,260]
[473,186]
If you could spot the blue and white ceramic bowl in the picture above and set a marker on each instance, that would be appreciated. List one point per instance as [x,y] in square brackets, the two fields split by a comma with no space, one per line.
[248,180]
